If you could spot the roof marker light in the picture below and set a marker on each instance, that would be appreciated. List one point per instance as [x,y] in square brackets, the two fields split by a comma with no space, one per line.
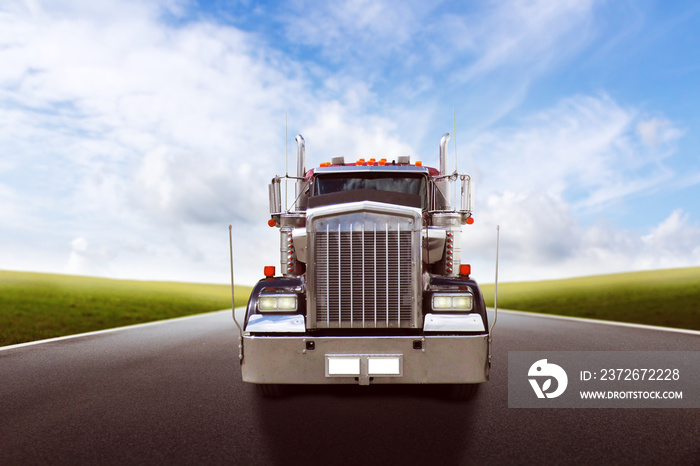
[419,164]
[465,269]
[269,271]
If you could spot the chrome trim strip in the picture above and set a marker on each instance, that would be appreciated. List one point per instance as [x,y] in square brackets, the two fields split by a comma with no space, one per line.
[328,277]
[276,323]
[363,275]
[398,268]
[375,275]
[340,280]
[386,240]
[398,169]
[352,288]
[453,323]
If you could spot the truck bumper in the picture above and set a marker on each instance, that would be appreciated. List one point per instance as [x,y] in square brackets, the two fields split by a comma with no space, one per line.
[449,359]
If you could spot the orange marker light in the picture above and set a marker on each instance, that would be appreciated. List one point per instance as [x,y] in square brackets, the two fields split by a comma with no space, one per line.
[470,220]
[465,269]
[269,271]
[272,222]
[419,164]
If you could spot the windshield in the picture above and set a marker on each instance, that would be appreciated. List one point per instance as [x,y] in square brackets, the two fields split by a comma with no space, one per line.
[392,182]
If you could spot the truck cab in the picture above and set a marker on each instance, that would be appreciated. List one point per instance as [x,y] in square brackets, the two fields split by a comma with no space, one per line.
[371,289]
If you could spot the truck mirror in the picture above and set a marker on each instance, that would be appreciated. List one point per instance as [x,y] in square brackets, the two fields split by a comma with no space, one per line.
[467,194]
[275,196]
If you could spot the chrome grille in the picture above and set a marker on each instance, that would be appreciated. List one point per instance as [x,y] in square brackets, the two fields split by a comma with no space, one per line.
[364,275]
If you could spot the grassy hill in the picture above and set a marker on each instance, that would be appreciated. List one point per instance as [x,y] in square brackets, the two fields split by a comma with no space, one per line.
[669,298]
[35,306]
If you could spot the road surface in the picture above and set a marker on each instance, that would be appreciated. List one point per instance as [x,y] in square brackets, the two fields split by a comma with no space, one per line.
[171,394]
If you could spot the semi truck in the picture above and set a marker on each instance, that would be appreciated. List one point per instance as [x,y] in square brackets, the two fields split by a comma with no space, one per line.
[371,288]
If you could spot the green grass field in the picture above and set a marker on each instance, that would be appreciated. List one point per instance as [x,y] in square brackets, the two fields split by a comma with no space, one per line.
[36,306]
[670,298]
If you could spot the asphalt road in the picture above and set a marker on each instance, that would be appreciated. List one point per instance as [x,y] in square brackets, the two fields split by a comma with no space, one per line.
[171,394]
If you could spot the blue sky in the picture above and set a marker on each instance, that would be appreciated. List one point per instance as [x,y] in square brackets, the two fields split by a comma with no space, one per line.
[132,133]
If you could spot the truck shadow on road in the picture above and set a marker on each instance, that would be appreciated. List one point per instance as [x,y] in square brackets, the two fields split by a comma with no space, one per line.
[380,424]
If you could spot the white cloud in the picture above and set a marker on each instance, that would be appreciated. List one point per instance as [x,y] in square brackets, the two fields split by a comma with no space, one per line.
[586,155]
[675,240]
[541,239]
[353,28]
[655,131]
[337,132]
[586,150]
[84,260]
[476,39]
[538,234]
[530,34]
[124,130]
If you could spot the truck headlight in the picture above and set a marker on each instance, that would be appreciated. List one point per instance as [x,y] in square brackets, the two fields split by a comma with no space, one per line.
[277,303]
[453,302]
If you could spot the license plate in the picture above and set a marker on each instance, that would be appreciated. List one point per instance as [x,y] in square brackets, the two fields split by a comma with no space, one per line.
[371,365]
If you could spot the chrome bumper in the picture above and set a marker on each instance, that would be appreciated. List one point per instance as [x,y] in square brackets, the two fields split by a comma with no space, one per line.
[378,360]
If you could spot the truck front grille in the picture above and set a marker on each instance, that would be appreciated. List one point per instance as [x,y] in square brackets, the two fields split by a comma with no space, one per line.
[364,274]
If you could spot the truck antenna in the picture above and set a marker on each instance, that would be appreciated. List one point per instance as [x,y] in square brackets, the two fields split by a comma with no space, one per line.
[233,299]
[286,163]
[454,123]
[495,295]
[495,286]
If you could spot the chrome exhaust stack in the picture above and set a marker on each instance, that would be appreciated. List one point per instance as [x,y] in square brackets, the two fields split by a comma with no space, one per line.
[443,153]
[443,184]
[301,168]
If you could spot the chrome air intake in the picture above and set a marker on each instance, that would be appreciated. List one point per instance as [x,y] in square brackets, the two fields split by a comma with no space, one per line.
[362,272]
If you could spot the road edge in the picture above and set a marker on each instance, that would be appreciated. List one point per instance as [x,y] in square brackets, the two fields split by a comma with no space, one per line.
[111,330]
[600,321]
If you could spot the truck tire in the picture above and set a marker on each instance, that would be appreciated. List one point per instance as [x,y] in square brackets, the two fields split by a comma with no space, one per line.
[462,391]
[270,390]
